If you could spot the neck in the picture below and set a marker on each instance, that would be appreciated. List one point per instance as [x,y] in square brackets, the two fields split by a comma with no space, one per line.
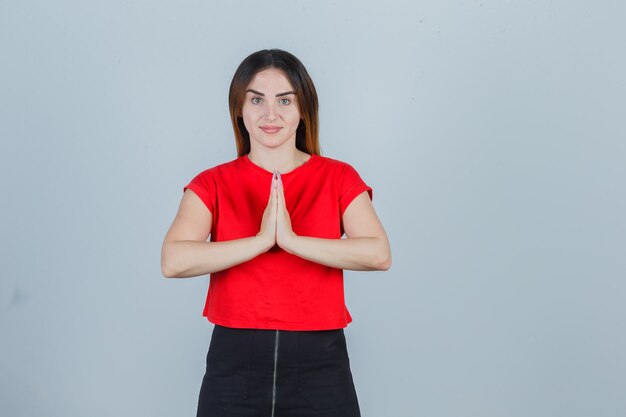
[282,160]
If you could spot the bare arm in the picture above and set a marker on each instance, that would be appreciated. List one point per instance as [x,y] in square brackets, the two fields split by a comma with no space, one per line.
[186,253]
[365,249]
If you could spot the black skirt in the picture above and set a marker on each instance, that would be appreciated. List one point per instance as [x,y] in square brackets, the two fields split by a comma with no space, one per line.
[277,373]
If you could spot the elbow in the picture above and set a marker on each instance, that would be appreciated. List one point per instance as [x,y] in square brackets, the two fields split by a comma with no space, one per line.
[383,264]
[171,270]
[383,261]
[167,269]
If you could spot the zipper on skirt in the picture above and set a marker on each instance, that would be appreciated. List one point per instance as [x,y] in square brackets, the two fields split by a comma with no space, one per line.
[275,367]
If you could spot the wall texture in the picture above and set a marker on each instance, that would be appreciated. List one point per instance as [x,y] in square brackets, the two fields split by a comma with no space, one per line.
[492,133]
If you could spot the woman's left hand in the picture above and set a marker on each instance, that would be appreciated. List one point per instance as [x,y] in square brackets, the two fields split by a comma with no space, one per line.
[284,232]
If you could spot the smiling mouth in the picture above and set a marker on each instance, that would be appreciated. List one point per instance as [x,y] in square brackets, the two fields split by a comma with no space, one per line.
[270,129]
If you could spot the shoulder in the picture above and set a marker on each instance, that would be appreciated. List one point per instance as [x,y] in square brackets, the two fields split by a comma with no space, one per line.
[343,171]
[220,169]
[335,164]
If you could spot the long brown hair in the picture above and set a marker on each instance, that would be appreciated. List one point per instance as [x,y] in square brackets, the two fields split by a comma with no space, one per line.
[307,139]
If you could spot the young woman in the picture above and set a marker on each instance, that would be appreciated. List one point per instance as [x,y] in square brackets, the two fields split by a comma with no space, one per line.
[276,216]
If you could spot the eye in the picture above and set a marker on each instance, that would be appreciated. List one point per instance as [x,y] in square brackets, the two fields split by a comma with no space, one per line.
[285,101]
[256,98]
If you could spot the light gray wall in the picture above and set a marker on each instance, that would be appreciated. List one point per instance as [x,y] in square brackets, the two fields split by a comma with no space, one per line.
[492,133]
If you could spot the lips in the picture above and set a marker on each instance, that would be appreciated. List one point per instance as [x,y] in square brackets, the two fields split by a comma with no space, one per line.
[270,128]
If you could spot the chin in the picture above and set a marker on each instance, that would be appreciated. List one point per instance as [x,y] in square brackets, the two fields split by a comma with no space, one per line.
[270,143]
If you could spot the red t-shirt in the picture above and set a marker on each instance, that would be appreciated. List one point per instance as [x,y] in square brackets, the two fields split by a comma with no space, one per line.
[276,289]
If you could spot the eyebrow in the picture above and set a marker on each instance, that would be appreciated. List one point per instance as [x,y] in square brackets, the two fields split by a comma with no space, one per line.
[261,94]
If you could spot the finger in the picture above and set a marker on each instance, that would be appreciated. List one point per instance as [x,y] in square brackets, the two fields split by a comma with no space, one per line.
[275,187]
[272,187]
[275,193]
[278,190]
[274,209]
[281,191]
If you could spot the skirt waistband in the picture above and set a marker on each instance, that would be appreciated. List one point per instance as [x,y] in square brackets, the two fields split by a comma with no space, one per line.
[292,347]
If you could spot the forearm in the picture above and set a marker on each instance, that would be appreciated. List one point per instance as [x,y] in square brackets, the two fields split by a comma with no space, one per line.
[188,258]
[358,254]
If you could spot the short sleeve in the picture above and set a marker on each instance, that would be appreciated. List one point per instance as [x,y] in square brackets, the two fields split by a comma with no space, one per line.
[351,185]
[203,185]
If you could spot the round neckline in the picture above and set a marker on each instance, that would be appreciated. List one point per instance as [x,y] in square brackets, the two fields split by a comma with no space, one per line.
[296,169]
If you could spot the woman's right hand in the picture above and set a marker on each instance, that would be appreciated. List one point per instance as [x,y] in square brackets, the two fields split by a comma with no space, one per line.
[267,234]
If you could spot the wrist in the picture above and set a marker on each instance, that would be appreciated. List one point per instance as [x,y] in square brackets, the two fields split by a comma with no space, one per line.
[290,243]
[262,243]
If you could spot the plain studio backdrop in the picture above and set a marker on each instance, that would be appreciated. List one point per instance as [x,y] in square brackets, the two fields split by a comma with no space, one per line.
[492,134]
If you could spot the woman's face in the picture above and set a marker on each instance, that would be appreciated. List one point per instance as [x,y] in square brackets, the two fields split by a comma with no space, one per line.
[270,110]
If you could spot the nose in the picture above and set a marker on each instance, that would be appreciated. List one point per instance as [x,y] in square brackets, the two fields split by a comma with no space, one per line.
[271,110]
